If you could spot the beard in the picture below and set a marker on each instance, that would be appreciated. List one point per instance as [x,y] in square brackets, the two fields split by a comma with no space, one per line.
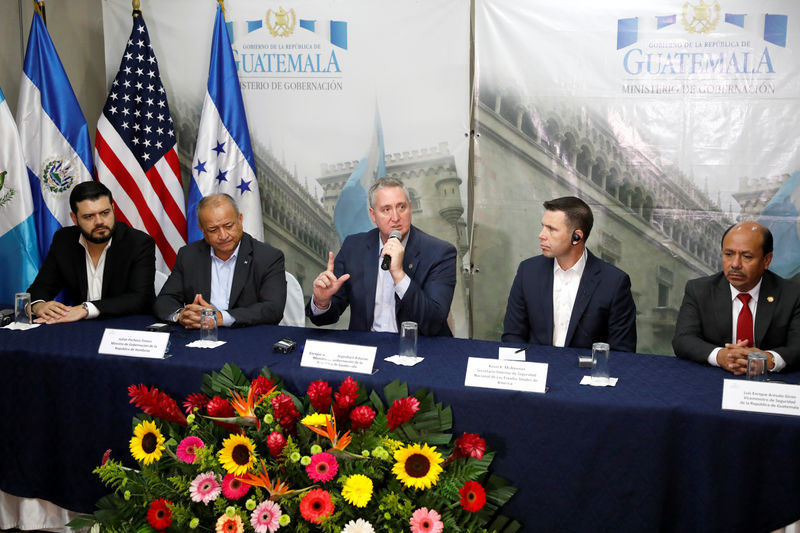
[99,240]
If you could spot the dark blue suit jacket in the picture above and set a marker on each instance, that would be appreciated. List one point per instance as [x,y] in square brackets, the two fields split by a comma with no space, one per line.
[603,311]
[428,261]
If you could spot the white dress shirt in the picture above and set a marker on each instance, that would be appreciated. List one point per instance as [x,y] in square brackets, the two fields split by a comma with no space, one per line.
[736,308]
[94,276]
[221,282]
[565,289]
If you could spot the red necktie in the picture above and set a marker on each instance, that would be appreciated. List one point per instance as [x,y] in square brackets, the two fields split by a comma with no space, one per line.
[744,324]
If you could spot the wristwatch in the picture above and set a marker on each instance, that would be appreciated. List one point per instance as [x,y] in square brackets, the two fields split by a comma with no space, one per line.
[85,306]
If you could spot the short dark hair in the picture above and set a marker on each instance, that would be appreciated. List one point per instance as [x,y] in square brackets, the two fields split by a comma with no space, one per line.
[766,238]
[88,190]
[579,214]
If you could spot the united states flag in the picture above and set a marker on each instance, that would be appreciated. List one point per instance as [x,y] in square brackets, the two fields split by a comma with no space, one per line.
[135,150]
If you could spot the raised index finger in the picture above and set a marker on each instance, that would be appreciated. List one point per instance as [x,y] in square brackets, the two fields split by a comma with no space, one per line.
[330,262]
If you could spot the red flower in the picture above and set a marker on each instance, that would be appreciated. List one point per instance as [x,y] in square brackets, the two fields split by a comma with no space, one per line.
[261,385]
[319,392]
[222,408]
[159,516]
[316,505]
[401,411]
[285,412]
[345,398]
[470,445]
[155,403]
[233,487]
[195,400]
[473,496]
[275,442]
[105,457]
[362,417]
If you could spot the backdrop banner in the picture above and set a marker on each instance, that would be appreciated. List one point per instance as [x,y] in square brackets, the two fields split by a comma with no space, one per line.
[671,119]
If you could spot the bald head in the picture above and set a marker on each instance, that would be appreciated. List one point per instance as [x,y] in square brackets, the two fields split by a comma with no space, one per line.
[746,254]
[751,226]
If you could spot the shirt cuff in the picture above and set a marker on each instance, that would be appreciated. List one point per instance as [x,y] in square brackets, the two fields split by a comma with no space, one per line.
[316,311]
[780,364]
[712,357]
[92,309]
[227,318]
[401,288]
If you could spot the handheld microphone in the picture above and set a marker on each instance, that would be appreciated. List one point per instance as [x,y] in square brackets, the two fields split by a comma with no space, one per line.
[387,259]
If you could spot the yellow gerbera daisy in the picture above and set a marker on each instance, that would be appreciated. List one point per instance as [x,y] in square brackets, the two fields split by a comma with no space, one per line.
[418,466]
[316,419]
[357,490]
[147,442]
[237,454]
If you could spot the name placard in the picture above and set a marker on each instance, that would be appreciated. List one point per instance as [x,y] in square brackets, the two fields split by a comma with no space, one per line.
[132,343]
[761,397]
[507,375]
[337,356]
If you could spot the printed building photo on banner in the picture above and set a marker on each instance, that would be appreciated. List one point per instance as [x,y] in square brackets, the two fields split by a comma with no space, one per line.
[334,95]
[671,120]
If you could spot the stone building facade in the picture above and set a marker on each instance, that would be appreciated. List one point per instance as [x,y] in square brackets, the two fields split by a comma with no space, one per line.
[650,220]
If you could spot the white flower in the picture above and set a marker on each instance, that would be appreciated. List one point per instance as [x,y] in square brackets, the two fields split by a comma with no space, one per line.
[358,526]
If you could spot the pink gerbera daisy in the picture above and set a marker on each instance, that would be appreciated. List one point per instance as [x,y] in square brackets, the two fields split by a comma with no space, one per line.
[205,488]
[425,521]
[323,467]
[266,517]
[233,487]
[187,449]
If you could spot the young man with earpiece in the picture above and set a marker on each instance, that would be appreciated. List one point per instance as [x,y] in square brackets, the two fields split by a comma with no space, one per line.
[567,296]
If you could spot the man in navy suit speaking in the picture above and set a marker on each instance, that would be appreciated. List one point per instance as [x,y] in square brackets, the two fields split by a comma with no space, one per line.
[567,296]
[388,275]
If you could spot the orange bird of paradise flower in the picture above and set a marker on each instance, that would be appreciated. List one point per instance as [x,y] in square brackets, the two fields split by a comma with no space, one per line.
[247,408]
[276,490]
[338,443]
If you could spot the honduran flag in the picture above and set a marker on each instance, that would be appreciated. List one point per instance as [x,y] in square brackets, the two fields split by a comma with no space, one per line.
[223,157]
[19,254]
[55,138]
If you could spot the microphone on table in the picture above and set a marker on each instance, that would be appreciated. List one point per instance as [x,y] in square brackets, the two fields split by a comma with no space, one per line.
[387,259]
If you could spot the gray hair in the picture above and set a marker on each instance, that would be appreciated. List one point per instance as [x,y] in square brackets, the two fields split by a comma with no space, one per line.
[385,183]
[215,200]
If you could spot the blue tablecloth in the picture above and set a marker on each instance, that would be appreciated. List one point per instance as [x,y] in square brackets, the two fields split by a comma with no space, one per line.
[654,453]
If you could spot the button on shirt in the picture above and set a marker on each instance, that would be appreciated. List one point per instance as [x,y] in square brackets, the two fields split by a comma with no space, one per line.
[736,308]
[221,282]
[385,291]
[94,277]
[565,289]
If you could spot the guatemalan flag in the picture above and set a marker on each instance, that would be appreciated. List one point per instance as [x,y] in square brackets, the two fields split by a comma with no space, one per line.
[19,254]
[350,215]
[55,139]
[223,158]
[135,150]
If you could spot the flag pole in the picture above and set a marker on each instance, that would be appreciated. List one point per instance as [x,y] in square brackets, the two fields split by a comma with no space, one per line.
[136,10]
[222,5]
[38,6]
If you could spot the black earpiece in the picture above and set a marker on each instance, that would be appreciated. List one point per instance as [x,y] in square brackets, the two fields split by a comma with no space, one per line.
[576,237]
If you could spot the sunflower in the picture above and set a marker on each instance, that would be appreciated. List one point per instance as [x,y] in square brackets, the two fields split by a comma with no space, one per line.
[357,490]
[418,466]
[147,442]
[237,454]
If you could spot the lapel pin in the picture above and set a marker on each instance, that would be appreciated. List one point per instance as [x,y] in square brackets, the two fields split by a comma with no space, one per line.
[770,299]
[411,265]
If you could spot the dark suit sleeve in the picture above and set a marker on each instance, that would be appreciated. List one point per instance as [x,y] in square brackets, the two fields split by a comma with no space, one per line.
[139,260]
[516,326]
[622,318]
[427,301]
[50,279]
[171,298]
[270,284]
[688,342]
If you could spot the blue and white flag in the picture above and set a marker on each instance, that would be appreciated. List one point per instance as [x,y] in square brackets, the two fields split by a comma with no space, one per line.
[223,157]
[350,215]
[55,139]
[18,252]
[782,216]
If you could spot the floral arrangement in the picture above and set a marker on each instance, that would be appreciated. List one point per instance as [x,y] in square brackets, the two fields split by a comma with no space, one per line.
[246,455]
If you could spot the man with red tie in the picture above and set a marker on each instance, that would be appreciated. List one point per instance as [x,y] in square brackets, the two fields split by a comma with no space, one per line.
[743,309]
